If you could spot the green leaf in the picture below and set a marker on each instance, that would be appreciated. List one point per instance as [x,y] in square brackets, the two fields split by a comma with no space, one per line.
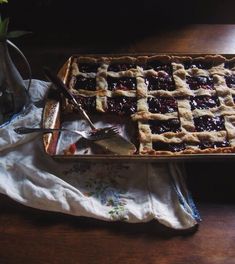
[3,1]
[4,27]
[17,33]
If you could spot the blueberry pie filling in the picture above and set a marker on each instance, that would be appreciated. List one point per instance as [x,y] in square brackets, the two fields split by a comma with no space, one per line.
[162,105]
[173,147]
[88,67]
[84,83]
[208,144]
[117,67]
[204,102]
[198,64]
[159,66]
[177,147]
[208,123]
[87,103]
[179,105]
[159,127]
[121,105]
[123,83]
[230,81]
[198,82]
[162,82]
[229,64]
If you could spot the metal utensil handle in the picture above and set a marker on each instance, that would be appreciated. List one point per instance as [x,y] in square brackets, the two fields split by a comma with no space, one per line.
[85,115]
[25,60]
[63,89]
[28,130]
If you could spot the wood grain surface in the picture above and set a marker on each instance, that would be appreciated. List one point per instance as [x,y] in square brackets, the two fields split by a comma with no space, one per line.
[32,236]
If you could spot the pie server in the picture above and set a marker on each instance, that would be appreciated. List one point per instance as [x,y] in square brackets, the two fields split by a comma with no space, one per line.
[115,144]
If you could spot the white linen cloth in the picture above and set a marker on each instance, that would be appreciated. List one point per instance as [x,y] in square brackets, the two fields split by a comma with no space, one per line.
[133,192]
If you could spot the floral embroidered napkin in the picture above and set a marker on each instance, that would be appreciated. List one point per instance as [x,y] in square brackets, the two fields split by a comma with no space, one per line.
[132,192]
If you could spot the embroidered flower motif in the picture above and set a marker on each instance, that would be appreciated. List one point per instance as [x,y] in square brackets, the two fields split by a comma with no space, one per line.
[108,193]
[102,183]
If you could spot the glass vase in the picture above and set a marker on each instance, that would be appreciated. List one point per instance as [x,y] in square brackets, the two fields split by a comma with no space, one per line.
[14,95]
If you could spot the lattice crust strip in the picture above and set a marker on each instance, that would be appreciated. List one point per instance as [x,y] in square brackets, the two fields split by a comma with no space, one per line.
[181,104]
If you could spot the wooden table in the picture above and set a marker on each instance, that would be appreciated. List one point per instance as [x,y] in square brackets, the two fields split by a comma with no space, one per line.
[33,236]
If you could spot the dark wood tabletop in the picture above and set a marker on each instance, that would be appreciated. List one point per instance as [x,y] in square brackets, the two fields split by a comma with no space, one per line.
[32,236]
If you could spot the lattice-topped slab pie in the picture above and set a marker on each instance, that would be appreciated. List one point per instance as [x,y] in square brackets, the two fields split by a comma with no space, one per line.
[181,104]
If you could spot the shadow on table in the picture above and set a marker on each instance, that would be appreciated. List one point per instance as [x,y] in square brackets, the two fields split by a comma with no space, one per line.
[25,216]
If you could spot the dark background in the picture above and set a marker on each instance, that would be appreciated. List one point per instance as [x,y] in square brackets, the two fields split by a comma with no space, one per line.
[74,22]
[103,26]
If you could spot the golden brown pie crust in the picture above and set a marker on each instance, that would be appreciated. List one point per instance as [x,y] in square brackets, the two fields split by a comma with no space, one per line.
[182,94]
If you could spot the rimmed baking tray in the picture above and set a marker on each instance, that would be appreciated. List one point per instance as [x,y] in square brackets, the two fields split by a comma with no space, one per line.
[53,118]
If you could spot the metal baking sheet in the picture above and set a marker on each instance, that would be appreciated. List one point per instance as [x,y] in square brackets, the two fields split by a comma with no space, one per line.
[53,116]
